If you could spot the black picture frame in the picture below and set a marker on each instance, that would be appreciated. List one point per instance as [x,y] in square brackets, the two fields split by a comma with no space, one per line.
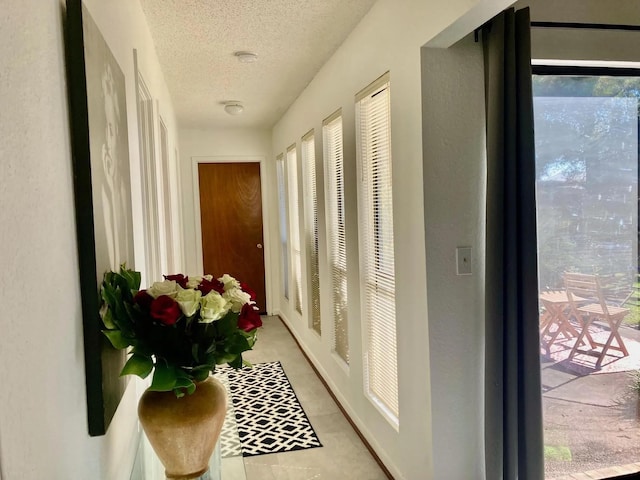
[102,188]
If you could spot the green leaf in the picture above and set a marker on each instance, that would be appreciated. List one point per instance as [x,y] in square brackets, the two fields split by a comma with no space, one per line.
[247,363]
[186,383]
[107,317]
[228,325]
[226,358]
[131,276]
[164,377]
[178,392]
[202,372]
[117,339]
[237,345]
[138,365]
[108,295]
[237,362]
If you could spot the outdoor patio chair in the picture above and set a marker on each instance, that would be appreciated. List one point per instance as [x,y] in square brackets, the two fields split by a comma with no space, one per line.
[579,285]
[554,320]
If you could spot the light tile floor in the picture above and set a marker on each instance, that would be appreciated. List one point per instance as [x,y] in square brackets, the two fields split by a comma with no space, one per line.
[343,455]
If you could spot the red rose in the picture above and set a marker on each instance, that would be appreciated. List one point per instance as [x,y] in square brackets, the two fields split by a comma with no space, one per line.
[179,278]
[249,318]
[247,289]
[165,310]
[207,285]
[143,299]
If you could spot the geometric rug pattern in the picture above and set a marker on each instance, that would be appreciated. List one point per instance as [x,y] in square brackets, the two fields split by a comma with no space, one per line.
[584,363]
[269,417]
[229,442]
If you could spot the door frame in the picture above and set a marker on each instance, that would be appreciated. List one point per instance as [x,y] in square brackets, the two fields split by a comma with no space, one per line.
[266,240]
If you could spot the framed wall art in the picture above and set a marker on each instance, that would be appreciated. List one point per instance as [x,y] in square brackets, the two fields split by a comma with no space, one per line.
[100,154]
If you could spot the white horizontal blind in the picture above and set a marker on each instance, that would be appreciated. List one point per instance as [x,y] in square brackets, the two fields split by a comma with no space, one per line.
[311,225]
[336,232]
[282,217]
[375,205]
[294,219]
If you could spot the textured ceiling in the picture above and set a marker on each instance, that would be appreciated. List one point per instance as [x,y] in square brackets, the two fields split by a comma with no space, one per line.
[196,40]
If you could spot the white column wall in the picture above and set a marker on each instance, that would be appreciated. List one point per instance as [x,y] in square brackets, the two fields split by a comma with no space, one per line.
[454,188]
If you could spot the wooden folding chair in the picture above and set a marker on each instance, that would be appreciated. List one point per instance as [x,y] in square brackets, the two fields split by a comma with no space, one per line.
[588,287]
[554,320]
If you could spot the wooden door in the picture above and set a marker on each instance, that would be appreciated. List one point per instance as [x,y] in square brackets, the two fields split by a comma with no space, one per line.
[231,218]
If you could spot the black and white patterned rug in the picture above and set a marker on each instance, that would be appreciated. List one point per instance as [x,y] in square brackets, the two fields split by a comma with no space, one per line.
[267,413]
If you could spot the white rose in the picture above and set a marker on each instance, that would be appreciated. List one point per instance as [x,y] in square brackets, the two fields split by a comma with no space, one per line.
[229,282]
[213,307]
[194,281]
[189,301]
[169,288]
[237,298]
[208,277]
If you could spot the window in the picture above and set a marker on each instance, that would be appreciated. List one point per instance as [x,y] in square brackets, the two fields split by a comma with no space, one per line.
[587,144]
[282,214]
[167,210]
[375,211]
[311,225]
[337,246]
[149,172]
[294,219]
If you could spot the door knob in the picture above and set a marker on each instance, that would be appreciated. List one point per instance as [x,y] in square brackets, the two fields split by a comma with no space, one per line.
[259,245]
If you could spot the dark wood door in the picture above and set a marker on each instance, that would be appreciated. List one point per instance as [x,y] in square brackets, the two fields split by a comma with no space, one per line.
[231,218]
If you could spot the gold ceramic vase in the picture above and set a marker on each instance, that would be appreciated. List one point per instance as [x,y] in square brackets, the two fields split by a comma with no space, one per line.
[184,431]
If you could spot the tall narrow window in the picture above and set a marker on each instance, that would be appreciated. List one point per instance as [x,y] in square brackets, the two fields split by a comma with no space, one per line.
[311,225]
[337,246]
[282,214]
[149,168]
[167,209]
[294,219]
[375,210]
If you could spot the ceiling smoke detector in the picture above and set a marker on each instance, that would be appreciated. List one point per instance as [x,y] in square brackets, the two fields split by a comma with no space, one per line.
[246,57]
[233,107]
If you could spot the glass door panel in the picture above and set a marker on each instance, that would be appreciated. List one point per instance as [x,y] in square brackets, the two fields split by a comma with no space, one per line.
[586,134]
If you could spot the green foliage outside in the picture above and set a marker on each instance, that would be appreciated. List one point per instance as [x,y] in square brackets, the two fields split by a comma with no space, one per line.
[586,181]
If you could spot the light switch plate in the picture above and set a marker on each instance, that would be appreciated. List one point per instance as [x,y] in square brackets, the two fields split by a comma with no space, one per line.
[463,260]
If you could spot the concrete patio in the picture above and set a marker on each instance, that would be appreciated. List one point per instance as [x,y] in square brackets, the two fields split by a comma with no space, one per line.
[592,419]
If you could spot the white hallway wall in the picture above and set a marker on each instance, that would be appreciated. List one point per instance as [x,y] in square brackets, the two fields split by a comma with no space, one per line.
[454,179]
[390,37]
[43,426]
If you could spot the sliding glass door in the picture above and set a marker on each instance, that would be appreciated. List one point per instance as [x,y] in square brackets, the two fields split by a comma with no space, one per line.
[586,130]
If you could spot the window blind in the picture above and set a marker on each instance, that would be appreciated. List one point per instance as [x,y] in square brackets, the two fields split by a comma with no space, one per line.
[282,216]
[311,225]
[336,232]
[375,206]
[294,223]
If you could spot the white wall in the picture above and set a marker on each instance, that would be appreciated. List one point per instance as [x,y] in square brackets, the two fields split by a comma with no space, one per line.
[454,180]
[389,38]
[230,143]
[43,426]
[583,44]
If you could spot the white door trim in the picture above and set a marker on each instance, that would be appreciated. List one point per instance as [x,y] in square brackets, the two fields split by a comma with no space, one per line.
[268,273]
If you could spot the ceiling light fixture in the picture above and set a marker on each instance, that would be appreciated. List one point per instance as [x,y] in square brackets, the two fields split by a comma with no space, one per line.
[246,57]
[233,107]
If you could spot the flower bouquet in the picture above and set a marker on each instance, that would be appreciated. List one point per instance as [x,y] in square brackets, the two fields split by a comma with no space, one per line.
[180,328]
